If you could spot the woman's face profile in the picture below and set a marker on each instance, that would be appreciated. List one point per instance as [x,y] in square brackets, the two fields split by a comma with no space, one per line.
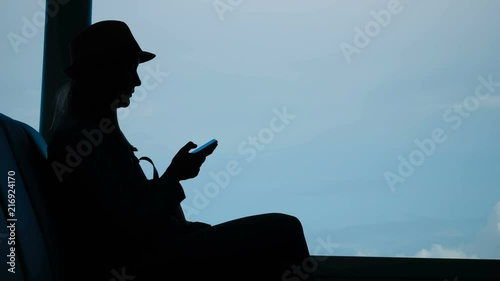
[118,82]
[125,81]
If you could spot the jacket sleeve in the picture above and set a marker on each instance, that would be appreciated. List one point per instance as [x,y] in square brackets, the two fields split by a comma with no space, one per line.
[163,186]
[155,200]
[169,191]
[111,178]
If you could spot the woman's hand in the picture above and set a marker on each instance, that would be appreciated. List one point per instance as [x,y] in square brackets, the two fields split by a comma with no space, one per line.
[196,226]
[185,165]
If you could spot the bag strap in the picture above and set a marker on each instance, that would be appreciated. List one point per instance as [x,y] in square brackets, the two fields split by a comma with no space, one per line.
[155,172]
[178,211]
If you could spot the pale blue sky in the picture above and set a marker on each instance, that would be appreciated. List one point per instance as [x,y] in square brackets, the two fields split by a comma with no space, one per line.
[352,119]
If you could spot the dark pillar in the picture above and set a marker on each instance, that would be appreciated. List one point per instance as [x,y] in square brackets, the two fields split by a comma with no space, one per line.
[64,18]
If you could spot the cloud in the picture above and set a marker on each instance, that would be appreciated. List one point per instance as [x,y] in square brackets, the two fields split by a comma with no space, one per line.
[438,251]
[485,246]
[488,239]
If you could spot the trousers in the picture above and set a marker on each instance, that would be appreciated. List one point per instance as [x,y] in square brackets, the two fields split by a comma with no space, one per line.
[258,247]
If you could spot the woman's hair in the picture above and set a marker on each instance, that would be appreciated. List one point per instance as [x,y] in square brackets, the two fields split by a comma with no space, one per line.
[77,101]
[90,96]
[61,109]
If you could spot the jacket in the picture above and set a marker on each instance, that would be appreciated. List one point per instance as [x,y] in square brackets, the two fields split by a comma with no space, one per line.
[107,209]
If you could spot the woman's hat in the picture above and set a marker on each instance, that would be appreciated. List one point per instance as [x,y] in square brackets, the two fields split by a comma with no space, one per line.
[101,44]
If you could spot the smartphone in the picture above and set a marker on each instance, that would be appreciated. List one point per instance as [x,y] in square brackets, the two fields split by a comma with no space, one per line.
[207,146]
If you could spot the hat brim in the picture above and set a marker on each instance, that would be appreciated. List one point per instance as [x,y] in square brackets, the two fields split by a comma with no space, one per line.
[146,56]
[76,70]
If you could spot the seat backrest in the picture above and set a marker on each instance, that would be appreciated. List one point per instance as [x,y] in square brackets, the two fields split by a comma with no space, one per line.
[23,158]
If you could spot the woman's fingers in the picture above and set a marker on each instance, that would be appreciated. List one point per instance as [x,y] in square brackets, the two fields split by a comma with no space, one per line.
[188,146]
[201,159]
[185,164]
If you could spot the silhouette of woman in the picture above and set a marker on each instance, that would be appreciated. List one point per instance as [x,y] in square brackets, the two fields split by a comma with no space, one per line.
[117,223]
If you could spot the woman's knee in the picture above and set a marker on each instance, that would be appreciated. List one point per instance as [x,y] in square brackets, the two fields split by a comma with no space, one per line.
[285,221]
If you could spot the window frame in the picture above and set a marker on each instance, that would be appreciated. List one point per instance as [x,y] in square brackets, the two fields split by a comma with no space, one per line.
[75,15]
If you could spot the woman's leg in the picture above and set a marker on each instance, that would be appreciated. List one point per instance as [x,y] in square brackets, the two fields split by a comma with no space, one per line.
[257,246]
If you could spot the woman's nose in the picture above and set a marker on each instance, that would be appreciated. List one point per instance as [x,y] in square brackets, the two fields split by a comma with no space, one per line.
[137,80]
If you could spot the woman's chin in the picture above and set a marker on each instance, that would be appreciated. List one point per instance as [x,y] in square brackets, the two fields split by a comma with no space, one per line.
[124,101]
[126,104]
